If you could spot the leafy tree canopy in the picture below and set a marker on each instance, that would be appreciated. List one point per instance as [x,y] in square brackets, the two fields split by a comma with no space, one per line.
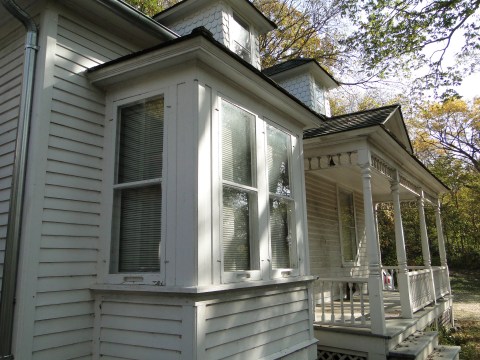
[390,35]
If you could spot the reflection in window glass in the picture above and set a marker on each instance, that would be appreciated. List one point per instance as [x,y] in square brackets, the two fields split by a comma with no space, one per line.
[240,34]
[347,223]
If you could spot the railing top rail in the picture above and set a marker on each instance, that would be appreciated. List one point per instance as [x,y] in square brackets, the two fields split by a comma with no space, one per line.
[344,279]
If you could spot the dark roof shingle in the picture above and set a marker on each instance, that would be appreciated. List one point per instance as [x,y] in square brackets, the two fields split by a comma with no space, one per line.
[358,120]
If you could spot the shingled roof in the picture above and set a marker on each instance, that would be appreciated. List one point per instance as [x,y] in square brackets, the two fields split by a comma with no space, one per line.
[358,120]
[294,63]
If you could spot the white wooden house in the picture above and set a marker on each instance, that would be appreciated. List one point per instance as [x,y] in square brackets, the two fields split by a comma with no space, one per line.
[163,198]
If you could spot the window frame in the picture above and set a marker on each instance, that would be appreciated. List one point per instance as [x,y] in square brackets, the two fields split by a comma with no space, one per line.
[243,23]
[293,250]
[354,261]
[112,138]
[254,273]
[261,238]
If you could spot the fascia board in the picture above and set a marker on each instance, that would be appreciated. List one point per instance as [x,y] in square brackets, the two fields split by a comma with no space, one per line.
[389,146]
[199,48]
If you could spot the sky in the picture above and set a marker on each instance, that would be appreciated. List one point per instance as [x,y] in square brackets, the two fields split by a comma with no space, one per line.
[470,87]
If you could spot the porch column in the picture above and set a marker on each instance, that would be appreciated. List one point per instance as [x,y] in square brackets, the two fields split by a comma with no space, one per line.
[441,246]
[441,239]
[403,280]
[377,311]
[427,261]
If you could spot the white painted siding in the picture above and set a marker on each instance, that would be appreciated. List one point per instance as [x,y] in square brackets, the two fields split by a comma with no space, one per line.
[255,326]
[324,232]
[67,266]
[141,328]
[11,69]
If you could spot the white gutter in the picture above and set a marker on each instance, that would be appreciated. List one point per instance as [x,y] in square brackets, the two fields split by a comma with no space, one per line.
[14,227]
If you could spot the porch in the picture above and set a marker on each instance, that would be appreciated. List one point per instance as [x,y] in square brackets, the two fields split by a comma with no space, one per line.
[345,318]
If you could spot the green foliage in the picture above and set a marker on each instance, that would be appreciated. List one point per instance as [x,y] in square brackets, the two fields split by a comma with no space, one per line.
[391,34]
[306,28]
[151,7]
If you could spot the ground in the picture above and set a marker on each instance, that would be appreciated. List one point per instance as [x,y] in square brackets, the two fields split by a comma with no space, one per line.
[466,305]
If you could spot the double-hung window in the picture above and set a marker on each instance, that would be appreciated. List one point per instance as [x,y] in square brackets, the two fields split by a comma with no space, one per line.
[348,231]
[137,198]
[239,190]
[258,207]
[240,34]
[281,203]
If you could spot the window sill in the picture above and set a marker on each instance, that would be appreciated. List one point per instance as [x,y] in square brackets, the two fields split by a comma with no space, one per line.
[152,289]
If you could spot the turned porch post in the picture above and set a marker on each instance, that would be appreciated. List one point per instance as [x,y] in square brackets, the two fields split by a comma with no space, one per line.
[403,280]
[377,311]
[427,262]
[441,239]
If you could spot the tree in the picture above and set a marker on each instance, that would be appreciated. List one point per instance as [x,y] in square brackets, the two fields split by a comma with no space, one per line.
[306,28]
[452,127]
[392,34]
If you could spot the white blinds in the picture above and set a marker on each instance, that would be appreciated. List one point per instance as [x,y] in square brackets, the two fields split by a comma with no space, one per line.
[281,205]
[237,173]
[139,206]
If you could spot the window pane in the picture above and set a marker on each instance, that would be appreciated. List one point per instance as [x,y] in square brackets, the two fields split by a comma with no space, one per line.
[237,157]
[141,142]
[277,158]
[347,221]
[280,232]
[140,228]
[240,34]
[236,229]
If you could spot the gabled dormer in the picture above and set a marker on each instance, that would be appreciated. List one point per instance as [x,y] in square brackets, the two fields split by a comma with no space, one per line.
[306,80]
[237,24]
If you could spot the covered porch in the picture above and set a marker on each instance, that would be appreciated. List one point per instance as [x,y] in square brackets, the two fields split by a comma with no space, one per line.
[370,155]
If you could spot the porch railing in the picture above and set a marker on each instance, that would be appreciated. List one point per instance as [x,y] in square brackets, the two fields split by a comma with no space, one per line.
[441,281]
[420,281]
[343,301]
[421,287]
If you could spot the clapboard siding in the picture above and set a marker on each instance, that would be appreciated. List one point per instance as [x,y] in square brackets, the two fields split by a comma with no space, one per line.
[11,70]
[140,330]
[256,326]
[73,181]
[324,233]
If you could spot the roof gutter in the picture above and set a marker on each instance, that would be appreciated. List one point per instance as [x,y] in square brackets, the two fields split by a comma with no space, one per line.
[128,12]
[12,247]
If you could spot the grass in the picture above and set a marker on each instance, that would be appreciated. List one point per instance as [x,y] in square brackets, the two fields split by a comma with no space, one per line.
[466,333]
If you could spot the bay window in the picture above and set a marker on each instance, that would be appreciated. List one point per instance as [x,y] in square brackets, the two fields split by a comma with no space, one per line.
[137,201]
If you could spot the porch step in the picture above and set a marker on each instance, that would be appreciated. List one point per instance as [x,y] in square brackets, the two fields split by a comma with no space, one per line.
[445,353]
[417,346]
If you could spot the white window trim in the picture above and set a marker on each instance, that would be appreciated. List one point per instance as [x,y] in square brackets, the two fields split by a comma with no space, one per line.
[354,262]
[110,154]
[294,257]
[232,17]
[261,248]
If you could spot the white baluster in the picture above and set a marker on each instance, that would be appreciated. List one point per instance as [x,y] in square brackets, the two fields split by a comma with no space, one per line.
[342,309]
[332,316]
[322,292]
[352,312]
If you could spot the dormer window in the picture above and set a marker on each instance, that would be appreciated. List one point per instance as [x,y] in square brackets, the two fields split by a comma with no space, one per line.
[240,38]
